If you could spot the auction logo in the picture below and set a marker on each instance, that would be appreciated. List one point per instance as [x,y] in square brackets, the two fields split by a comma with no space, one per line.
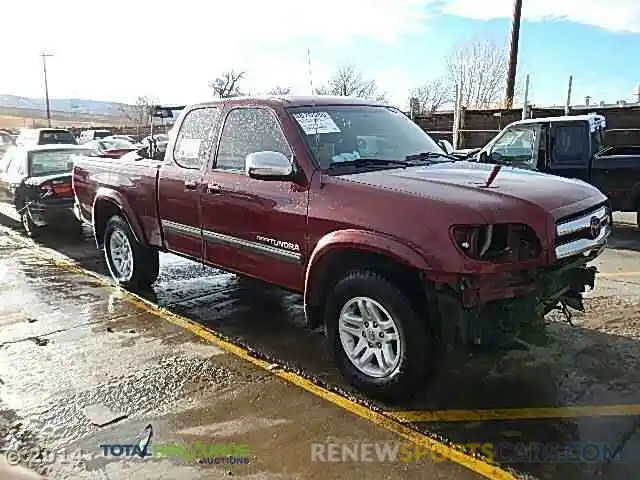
[197,452]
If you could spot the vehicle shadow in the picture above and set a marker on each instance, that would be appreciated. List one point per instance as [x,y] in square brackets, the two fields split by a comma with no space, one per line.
[80,248]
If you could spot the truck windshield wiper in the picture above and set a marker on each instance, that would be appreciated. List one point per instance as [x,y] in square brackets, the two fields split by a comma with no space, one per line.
[430,155]
[366,162]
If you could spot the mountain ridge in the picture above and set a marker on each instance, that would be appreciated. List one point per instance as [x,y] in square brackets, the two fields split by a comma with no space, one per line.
[78,106]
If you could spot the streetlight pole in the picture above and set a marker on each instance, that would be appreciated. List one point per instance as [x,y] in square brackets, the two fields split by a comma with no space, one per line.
[46,85]
[513,54]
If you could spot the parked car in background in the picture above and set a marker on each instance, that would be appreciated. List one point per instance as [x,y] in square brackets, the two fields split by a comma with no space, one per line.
[36,182]
[29,137]
[90,135]
[397,248]
[574,147]
[113,148]
[128,138]
[6,141]
[161,140]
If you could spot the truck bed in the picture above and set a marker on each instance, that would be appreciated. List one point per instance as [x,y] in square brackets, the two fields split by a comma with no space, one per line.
[129,183]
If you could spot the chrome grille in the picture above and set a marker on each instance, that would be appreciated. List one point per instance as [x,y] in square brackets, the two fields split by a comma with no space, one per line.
[583,233]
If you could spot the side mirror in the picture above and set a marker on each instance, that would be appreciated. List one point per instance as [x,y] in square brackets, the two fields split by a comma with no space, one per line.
[268,166]
[483,157]
[446,146]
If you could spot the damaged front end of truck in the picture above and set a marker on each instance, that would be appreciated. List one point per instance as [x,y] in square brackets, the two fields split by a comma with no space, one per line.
[497,308]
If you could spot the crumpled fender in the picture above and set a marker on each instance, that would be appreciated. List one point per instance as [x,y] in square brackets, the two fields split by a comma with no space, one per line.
[361,240]
[115,197]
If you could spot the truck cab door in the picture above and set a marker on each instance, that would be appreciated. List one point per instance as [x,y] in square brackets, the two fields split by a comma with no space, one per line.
[254,226]
[180,182]
[570,150]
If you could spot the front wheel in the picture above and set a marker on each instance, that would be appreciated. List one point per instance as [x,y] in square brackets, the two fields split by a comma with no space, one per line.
[132,265]
[380,342]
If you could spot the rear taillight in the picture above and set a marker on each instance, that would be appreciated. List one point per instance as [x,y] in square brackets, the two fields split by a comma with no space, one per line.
[59,188]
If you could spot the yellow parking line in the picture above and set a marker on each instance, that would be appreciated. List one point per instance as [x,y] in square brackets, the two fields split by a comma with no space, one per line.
[452,452]
[619,274]
[410,416]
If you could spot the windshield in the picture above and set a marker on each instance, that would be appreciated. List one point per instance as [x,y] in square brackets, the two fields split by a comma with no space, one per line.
[336,134]
[52,162]
[53,137]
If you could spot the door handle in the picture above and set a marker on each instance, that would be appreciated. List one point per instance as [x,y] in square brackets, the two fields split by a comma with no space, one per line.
[214,188]
[190,185]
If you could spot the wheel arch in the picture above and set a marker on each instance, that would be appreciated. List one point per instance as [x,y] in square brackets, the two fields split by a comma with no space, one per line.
[108,203]
[345,250]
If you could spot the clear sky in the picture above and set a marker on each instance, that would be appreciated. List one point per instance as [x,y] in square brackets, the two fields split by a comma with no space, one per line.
[101,50]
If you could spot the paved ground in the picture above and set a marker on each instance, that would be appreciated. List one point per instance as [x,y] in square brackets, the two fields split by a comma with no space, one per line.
[68,342]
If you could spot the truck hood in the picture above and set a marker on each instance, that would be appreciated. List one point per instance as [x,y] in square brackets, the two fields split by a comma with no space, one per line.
[464,183]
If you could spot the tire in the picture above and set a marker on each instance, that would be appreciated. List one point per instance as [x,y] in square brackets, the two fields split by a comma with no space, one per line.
[412,349]
[142,264]
[30,228]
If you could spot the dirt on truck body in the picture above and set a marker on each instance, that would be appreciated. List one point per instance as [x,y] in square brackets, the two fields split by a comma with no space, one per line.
[397,247]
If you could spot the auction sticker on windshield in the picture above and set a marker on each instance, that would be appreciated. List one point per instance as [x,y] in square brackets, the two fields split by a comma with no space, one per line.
[316,122]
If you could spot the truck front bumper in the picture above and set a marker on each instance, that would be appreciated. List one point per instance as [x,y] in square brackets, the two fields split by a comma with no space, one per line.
[493,309]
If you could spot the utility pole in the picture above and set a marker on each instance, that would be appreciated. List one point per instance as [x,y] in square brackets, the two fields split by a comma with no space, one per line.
[46,85]
[525,103]
[310,73]
[567,106]
[513,54]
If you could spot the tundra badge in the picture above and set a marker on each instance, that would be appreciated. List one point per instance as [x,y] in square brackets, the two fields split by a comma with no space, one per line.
[279,243]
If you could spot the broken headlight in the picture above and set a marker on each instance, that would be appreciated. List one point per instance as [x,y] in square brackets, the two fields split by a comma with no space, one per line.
[499,242]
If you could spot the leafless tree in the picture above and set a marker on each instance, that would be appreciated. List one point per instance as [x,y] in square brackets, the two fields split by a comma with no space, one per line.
[347,81]
[278,90]
[227,84]
[431,96]
[479,68]
[138,114]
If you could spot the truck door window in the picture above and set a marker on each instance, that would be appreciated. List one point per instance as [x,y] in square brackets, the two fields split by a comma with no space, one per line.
[569,143]
[245,131]
[193,143]
[518,145]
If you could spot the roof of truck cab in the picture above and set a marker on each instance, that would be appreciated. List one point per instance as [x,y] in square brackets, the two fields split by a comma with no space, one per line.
[296,101]
[564,118]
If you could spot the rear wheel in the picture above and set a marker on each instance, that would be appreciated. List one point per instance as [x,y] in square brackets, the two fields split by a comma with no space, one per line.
[131,264]
[380,342]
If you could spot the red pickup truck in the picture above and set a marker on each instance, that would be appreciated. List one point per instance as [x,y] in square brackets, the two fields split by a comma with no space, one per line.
[397,248]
